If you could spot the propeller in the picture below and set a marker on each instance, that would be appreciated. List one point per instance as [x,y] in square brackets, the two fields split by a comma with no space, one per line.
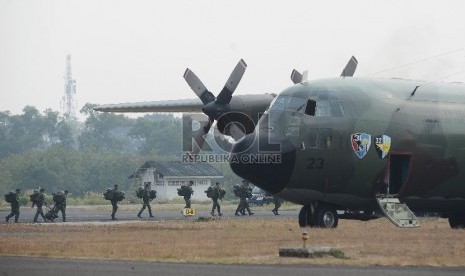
[217,107]
[296,76]
[348,71]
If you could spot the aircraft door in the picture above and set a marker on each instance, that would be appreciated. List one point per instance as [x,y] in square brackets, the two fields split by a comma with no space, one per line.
[397,177]
[398,172]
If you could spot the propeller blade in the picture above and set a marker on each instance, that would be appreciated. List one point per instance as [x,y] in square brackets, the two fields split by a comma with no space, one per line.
[225,95]
[199,138]
[296,77]
[198,87]
[235,132]
[349,70]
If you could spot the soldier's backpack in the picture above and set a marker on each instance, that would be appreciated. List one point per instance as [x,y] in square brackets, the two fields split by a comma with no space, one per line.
[140,191]
[108,194]
[210,192]
[184,191]
[119,195]
[222,193]
[52,214]
[248,192]
[237,189]
[152,194]
[10,197]
[34,197]
[59,197]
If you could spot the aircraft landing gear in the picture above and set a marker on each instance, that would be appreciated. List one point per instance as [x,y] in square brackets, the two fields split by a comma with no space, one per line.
[457,221]
[318,215]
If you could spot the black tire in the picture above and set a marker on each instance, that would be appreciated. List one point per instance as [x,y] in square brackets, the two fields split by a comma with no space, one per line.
[457,221]
[306,217]
[327,217]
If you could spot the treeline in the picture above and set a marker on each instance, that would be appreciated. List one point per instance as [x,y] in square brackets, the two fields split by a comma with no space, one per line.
[44,149]
[59,168]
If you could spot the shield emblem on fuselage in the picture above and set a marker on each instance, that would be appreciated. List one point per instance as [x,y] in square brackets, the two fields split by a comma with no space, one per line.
[361,143]
[382,145]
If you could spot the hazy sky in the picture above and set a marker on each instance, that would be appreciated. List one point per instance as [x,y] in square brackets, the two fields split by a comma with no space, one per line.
[128,51]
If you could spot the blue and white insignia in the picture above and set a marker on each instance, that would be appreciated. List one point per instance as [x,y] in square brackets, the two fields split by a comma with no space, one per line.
[382,145]
[361,143]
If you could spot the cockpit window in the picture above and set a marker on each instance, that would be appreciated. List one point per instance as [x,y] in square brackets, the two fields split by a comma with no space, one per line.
[289,103]
[296,104]
[311,108]
[336,109]
[322,107]
[279,103]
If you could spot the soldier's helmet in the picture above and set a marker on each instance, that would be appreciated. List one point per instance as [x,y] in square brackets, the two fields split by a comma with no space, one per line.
[18,190]
[217,183]
[66,191]
[116,185]
[147,185]
[191,182]
[42,190]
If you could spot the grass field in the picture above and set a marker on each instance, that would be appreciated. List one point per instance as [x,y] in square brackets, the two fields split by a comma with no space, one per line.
[248,241]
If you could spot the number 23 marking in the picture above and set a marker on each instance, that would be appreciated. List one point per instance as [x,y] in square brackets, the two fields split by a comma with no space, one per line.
[315,163]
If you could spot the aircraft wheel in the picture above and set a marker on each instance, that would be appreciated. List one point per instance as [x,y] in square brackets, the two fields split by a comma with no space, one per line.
[327,217]
[306,217]
[457,221]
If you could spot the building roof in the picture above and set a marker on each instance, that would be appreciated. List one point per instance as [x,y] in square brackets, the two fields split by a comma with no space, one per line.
[182,169]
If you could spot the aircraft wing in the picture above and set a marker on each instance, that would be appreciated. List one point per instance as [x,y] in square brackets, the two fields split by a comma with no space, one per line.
[188,105]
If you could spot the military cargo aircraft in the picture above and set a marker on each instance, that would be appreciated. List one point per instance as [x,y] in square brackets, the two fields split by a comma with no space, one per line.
[347,147]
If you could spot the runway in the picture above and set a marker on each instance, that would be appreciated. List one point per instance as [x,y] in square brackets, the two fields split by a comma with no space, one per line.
[129,213]
[47,267]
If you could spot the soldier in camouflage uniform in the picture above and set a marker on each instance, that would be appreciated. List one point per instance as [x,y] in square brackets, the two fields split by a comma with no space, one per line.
[39,202]
[216,194]
[277,204]
[146,201]
[243,203]
[62,206]
[14,207]
[187,196]
[114,202]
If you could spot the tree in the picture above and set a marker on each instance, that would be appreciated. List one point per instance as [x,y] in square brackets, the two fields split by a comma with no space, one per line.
[32,131]
[104,131]
[157,135]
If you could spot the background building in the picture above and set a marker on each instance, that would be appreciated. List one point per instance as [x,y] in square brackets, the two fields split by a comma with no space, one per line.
[167,176]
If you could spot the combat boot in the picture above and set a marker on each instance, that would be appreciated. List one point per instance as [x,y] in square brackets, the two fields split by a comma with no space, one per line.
[7,218]
[138,215]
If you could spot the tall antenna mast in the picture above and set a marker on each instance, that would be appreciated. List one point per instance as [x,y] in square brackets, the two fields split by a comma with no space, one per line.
[68,102]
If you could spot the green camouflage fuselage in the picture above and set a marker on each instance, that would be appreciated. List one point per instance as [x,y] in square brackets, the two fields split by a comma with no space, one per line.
[426,125]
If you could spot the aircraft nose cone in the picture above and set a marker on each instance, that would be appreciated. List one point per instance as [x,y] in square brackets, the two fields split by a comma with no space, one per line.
[268,165]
